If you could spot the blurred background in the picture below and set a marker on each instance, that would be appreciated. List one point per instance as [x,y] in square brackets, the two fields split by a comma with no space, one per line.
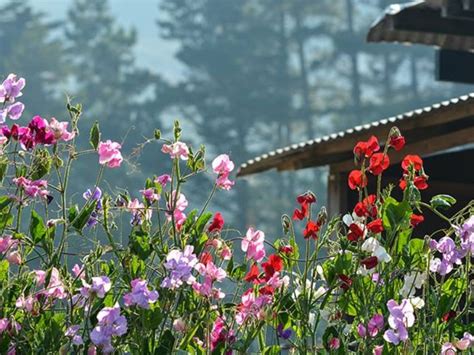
[243,77]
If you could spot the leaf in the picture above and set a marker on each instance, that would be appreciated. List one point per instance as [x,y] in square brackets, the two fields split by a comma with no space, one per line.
[395,215]
[272,350]
[4,266]
[4,202]
[37,228]
[6,219]
[442,201]
[3,168]
[94,135]
[403,239]
[416,248]
[80,221]
[166,343]
[140,244]
[41,164]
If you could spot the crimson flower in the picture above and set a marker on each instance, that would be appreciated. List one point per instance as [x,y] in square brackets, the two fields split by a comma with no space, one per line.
[266,290]
[346,281]
[205,258]
[370,262]
[356,233]
[366,207]
[448,316]
[311,230]
[357,179]
[416,219]
[419,182]
[366,148]
[414,160]
[286,249]
[252,275]
[274,264]
[378,163]
[375,226]
[217,223]
[305,200]
[397,142]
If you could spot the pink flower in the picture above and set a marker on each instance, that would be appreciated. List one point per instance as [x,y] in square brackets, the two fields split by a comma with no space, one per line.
[179,325]
[163,180]
[59,130]
[177,205]
[55,288]
[7,243]
[14,257]
[222,166]
[150,195]
[375,325]
[40,277]
[25,303]
[253,244]
[4,322]
[361,330]
[466,342]
[176,150]
[252,306]
[139,212]
[448,349]
[72,332]
[33,188]
[334,343]
[78,271]
[377,350]
[100,286]
[109,154]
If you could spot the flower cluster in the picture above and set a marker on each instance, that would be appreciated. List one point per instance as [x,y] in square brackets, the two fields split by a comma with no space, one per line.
[10,90]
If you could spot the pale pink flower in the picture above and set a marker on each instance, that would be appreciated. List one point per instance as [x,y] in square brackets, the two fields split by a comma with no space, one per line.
[176,150]
[4,322]
[109,154]
[179,325]
[253,244]
[7,243]
[14,257]
[139,211]
[177,209]
[448,349]
[78,271]
[466,342]
[59,130]
[55,288]
[40,276]
[150,195]
[25,303]
[377,350]
[222,165]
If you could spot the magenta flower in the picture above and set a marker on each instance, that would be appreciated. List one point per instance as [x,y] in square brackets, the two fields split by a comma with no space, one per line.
[219,333]
[375,325]
[32,188]
[100,286]
[176,150]
[401,317]
[222,166]
[140,295]
[110,324]
[180,265]
[252,307]
[253,244]
[163,180]
[109,154]
[150,195]
[59,130]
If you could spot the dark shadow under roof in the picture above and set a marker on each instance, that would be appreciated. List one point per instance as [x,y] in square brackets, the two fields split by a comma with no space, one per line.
[434,128]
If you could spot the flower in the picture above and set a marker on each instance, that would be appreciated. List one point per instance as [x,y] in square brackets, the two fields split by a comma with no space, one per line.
[179,325]
[367,148]
[274,264]
[367,207]
[379,162]
[356,232]
[412,281]
[283,333]
[450,255]
[217,223]
[466,234]
[222,166]
[176,150]
[370,262]
[55,288]
[100,286]
[59,130]
[416,219]
[140,295]
[357,179]
[304,200]
[397,142]
[448,349]
[179,264]
[334,343]
[163,179]
[448,316]
[253,274]
[375,325]
[109,154]
[412,160]
[219,334]
[110,323]
[252,306]
[253,244]
[72,332]
[375,226]
[95,195]
[401,317]
[311,230]
[11,88]
[150,195]
[378,350]
[346,281]
[139,212]
[177,204]
[32,188]
[466,342]
[13,111]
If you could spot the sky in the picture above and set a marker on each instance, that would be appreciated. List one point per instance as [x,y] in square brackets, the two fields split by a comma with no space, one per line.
[151,51]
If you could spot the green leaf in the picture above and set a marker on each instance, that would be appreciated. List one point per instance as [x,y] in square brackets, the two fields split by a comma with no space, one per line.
[80,221]
[416,247]
[3,167]
[6,219]
[37,228]
[94,136]
[4,266]
[41,164]
[403,239]
[395,215]
[140,243]
[272,350]
[166,343]
[442,201]
[4,202]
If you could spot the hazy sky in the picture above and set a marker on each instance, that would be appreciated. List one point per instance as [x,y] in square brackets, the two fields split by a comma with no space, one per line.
[151,51]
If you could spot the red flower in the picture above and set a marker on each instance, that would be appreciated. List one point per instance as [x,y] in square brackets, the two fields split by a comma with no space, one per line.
[448,316]
[346,281]
[367,207]
[367,148]
[286,249]
[217,223]
[357,179]
[375,226]
[355,233]
[416,219]
[205,258]
[274,264]
[252,275]
[370,262]
[311,230]
[397,142]
[378,163]
[414,160]
[266,290]
[306,198]
[420,183]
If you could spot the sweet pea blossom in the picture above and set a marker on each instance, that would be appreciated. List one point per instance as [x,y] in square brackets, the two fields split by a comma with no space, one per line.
[253,244]
[176,205]
[372,245]
[466,342]
[59,130]
[95,195]
[32,188]
[110,323]
[180,265]
[412,281]
[450,256]
[401,317]
[73,333]
[163,179]
[176,150]
[222,166]
[139,212]
[140,295]
[448,349]
[466,234]
[100,286]
[109,154]
[150,195]
[252,306]
[11,88]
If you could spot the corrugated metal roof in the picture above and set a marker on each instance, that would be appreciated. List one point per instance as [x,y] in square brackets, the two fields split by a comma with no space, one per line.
[383,29]
[284,156]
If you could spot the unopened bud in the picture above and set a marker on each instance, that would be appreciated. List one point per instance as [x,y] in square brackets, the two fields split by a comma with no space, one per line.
[322,216]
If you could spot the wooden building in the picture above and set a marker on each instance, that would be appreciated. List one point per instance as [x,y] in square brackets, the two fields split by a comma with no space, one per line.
[443,134]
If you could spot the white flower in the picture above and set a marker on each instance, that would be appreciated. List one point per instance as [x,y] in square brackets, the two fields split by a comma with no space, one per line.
[411,282]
